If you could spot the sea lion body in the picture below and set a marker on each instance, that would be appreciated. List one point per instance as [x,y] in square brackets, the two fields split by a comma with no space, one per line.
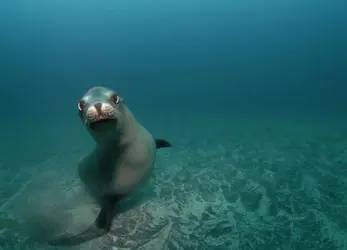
[121,161]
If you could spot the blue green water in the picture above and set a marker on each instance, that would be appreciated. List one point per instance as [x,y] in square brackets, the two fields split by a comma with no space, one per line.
[252,94]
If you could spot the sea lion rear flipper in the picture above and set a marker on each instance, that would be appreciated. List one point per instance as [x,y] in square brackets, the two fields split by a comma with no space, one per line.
[161,143]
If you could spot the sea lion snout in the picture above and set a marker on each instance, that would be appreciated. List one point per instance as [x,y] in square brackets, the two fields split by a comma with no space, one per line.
[100,111]
[98,105]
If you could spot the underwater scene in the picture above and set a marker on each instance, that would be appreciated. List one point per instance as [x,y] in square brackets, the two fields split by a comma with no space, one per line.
[173,125]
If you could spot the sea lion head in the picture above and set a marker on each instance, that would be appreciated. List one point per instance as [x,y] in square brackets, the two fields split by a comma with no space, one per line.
[102,112]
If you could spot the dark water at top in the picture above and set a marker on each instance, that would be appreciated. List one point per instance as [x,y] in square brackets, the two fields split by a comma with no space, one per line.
[234,55]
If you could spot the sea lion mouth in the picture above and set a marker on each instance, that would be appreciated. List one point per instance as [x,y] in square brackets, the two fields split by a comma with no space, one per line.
[102,123]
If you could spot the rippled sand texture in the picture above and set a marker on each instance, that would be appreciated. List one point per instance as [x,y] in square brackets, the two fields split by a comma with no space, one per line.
[234,184]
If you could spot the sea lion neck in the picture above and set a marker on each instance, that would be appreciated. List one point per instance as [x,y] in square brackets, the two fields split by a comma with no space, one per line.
[104,144]
[114,139]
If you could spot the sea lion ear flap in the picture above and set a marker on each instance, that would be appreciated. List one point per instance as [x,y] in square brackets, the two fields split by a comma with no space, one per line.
[121,99]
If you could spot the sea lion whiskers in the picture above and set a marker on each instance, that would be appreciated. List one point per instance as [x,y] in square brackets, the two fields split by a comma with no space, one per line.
[85,121]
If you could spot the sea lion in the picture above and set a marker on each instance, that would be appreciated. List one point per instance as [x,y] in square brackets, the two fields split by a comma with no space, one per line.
[121,162]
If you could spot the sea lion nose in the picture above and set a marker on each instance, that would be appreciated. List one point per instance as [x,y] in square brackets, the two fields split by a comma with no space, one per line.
[97,105]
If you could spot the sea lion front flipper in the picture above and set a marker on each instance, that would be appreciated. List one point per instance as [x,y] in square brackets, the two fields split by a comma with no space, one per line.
[161,143]
[106,214]
[100,227]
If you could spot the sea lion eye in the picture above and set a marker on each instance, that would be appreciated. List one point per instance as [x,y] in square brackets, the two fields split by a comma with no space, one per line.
[81,105]
[115,99]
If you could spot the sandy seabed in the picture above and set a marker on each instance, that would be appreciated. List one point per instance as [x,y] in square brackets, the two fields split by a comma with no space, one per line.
[238,183]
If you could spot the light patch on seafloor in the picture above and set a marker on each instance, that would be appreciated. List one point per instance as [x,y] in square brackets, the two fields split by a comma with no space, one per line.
[310,185]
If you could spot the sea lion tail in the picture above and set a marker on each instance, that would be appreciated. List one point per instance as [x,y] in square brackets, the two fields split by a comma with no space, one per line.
[161,143]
